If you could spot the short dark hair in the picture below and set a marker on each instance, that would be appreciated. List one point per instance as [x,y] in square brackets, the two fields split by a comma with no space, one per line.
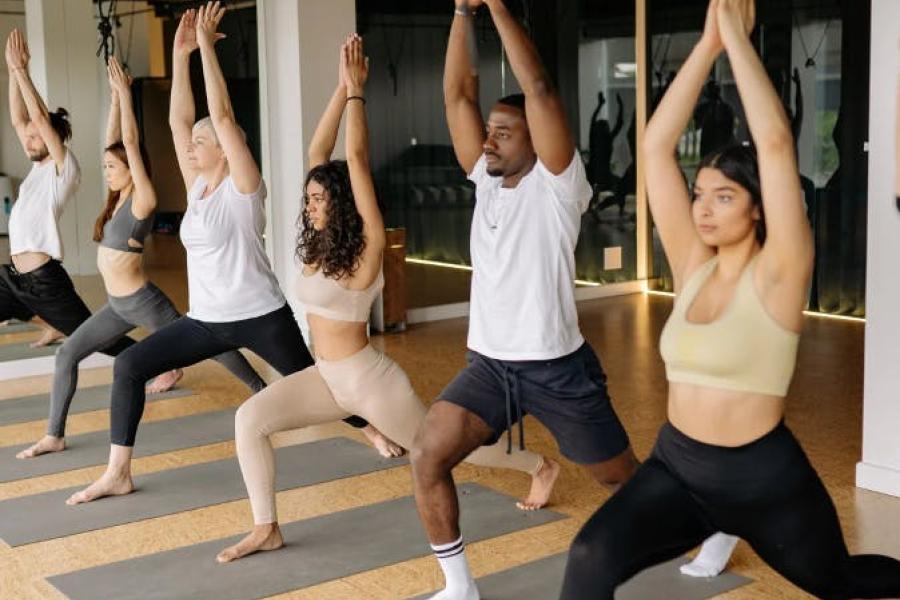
[59,120]
[514,100]
[739,164]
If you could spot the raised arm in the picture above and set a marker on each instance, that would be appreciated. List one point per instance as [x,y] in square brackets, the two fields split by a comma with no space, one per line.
[144,196]
[356,72]
[37,110]
[322,144]
[181,100]
[620,118]
[461,89]
[241,165]
[114,120]
[550,133]
[18,113]
[667,193]
[788,249]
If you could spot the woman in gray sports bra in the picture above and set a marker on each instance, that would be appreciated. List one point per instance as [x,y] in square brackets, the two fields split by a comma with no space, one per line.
[133,300]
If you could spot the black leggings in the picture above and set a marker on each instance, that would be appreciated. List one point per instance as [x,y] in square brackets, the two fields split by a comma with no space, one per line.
[275,337]
[766,492]
[47,292]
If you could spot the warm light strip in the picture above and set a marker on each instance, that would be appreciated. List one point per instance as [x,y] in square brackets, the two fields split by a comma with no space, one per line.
[435,263]
[808,313]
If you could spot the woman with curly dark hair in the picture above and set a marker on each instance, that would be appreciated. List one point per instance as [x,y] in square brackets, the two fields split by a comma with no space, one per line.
[340,247]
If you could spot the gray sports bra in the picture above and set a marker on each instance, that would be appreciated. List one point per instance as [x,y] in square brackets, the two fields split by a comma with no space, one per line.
[124,226]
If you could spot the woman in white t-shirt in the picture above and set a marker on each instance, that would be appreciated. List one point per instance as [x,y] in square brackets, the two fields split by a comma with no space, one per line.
[35,284]
[234,298]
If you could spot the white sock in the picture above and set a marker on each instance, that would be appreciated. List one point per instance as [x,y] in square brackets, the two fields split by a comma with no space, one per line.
[713,556]
[458,581]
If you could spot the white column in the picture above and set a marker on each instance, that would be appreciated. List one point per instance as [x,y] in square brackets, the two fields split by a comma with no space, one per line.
[879,469]
[298,51]
[62,38]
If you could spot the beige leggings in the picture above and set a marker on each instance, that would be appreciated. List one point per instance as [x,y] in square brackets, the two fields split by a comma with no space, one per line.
[368,384]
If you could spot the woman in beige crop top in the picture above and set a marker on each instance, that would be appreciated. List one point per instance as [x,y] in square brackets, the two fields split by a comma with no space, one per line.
[741,252]
[338,283]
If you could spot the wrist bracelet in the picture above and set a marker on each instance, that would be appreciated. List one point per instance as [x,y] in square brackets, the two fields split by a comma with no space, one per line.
[357,98]
[463,12]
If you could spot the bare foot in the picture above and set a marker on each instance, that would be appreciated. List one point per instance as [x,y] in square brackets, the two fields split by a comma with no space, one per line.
[45,445]
[107,485]
[262,539]
[165,382]
[541,486]
[50,336]
[386,447]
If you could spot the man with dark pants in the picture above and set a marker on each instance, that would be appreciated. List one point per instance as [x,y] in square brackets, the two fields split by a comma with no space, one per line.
[526,353]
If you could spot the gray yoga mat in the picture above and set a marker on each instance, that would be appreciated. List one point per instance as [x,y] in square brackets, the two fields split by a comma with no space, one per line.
[542,579]
[178,490]
[18,327]
[34,408]
[90,449]
[317,550]
[21,351]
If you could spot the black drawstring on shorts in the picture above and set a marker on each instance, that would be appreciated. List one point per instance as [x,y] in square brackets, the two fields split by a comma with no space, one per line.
[511,389]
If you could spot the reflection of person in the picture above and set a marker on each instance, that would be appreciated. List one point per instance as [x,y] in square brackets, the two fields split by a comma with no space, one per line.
[234,298]
[741,253]
[133,300]
[527,354]
[599,172]
[715,118]
[36,284]
[337,283]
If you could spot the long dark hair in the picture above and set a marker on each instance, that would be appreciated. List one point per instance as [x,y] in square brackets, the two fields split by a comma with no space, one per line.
[739,164]
[117,149]
[335,250]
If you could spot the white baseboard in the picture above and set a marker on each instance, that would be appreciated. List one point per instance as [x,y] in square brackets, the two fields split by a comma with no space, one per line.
[43,365]
[878,478]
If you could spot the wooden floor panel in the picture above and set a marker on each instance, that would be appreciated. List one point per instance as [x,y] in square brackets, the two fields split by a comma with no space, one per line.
[824,410]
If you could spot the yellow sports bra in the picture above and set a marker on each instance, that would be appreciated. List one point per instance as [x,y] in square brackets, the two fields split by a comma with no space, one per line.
[743,350]
[327,298]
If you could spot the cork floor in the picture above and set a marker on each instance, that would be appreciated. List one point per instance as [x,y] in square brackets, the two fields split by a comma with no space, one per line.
[824,411]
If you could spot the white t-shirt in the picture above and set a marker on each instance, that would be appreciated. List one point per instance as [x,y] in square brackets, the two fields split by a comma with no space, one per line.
[523,253]
[34,219]
[229,276]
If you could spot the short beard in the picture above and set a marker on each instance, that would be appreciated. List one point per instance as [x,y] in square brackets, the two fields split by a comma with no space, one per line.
[39,156]
[495,172]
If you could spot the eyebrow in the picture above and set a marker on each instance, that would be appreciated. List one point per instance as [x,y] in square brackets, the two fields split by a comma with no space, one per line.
[723,188]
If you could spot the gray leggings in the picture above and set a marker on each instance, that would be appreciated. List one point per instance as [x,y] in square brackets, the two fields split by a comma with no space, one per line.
[149,308]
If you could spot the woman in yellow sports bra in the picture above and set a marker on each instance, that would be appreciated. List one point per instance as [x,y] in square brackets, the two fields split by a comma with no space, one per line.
[741,253]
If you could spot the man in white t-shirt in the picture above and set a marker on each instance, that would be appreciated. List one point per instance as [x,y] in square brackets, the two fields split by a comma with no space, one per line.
[526,353]
[35,284]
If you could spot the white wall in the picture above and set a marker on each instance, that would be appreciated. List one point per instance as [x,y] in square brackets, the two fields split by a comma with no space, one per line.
[880,466]
[295,36]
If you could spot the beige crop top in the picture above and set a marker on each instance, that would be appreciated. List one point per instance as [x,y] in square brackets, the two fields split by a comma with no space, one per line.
[327,298]
[743,350]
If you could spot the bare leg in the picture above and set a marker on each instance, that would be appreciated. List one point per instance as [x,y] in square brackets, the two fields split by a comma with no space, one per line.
[385,446]
[45,445]
[116,481]
[165,382]
[263,538]
[614,472]
[50,333]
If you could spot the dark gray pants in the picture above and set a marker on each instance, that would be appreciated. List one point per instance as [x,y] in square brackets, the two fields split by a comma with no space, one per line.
[149,308]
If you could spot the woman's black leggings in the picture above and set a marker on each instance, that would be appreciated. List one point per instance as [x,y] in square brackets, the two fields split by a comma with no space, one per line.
[275,337]
[766,492]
